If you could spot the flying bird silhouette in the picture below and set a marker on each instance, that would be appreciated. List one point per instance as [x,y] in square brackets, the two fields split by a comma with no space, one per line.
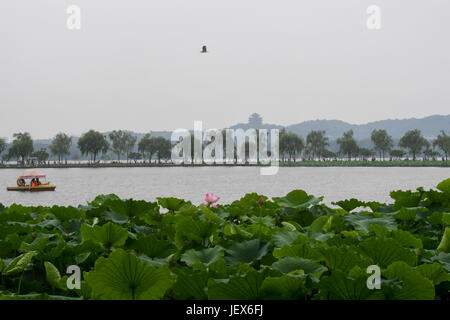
[204,49]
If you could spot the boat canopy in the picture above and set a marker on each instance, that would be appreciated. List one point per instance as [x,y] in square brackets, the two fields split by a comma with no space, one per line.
[32,173]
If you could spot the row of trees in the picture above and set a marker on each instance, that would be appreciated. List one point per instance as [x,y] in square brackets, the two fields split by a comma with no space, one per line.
[123,143]
[22,148]
[315,146]
[292,146]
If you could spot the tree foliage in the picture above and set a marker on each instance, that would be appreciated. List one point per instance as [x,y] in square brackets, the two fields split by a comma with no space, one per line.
[443,142]
[92,143]
[60,145]
[22,146]
[348,145]
[413,141]
[382,141]
[3,146]
[291,144]
[41,155]
[122,143]
[317,143]
[397,153]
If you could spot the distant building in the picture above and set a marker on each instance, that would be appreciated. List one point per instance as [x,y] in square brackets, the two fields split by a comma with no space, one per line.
[255,120]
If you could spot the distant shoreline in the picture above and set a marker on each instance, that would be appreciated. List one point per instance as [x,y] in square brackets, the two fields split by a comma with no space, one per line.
[398,163]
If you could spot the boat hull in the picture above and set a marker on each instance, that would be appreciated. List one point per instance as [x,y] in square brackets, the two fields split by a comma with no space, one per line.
[32,189]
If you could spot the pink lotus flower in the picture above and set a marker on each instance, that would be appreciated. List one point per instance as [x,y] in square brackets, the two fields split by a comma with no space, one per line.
[210,198]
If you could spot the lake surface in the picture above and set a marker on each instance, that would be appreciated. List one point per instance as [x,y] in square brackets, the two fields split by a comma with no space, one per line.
[78,185]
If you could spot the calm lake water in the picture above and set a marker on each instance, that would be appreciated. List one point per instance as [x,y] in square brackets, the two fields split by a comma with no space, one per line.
[76,186]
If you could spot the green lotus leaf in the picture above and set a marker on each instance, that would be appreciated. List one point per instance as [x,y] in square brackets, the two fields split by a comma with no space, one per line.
[247,251]
[350,204]
[211,215]
[386,251]
[67,213]
[407,239]
[362,223]
[38,244]
[284,237]
[115,217]
[343,259]
[289,264]
[286,287]
[242,287]
[406,199]
[406,214]
[122,276]
[101,199]
[444,259]
[153,247]
[130,207]
[297,199]
[434,272]
[444,245]
[440,218]
[189,229]
[304,250]
[82,257]
[231,229]
[340,286]
[191,285]
[414,286]
[109,235]
[172,204]
[52,274]
[205,256]
[18,264]
[291,226]
[317,226]
[444,186]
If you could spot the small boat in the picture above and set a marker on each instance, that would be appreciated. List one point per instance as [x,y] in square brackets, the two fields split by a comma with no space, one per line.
[34,184]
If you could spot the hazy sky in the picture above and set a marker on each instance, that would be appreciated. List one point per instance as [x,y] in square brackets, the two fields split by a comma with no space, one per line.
[136,64]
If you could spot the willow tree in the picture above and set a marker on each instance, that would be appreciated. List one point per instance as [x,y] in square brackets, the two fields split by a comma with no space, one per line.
[382,141]
[413,141]
[92,143]
[443,142]
[316,142]
[291,144]
[348,145]
[129,143]
[22,146]
[118,142]
[60,146]
[2,145]
[147,147]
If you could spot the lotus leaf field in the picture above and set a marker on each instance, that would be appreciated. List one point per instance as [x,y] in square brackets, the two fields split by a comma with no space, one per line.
[292,247]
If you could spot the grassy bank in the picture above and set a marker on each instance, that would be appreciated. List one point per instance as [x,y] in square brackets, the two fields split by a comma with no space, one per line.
[397,163]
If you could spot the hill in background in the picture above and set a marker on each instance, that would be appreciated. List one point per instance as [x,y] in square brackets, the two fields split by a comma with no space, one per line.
[430,127]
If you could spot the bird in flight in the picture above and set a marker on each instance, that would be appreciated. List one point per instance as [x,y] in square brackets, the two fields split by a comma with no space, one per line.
[204,49]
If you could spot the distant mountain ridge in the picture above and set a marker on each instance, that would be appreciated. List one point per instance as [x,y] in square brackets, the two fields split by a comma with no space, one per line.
[429,126]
